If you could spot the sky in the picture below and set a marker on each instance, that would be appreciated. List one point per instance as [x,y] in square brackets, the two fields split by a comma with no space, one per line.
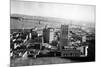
[67,11]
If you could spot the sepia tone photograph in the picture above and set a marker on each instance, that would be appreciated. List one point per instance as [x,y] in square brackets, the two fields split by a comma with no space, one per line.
[43,33]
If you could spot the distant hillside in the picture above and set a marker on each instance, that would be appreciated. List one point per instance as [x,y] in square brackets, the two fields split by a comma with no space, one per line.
[47,19]
[19,21]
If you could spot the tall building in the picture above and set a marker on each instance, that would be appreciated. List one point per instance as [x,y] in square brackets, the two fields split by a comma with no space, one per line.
[51,36]
[64,35]
[46,35]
